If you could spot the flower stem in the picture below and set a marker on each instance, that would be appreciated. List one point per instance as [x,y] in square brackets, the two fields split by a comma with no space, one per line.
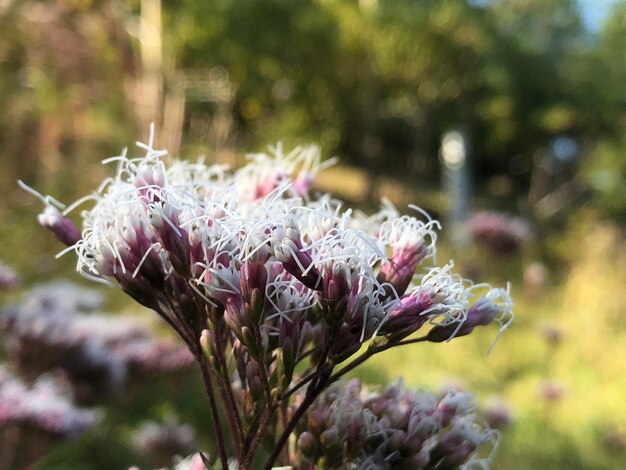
[257,436]
[321,380]
[372,350]
[229,398]
[312,393]
[299,385]
[208,387]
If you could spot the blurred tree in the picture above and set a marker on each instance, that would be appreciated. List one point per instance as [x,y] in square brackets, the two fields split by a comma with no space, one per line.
[605,169]
[378,82]
[375,82]
[63,74]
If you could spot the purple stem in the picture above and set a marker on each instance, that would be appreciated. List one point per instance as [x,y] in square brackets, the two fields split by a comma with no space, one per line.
[208,387]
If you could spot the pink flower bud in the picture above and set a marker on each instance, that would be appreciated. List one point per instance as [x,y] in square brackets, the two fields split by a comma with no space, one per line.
[400,268]
[493,307]
[335,288]
[61,227]
[303,182]
[330,437]
[454,448]
[164,217]
[307,445]
[289,251]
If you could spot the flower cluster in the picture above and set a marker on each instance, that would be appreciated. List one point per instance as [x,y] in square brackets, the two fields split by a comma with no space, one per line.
[8,278]
[350,427]
[498,413]
[261,279]
[44,406]
[160,441]
[499,232]
[55,326]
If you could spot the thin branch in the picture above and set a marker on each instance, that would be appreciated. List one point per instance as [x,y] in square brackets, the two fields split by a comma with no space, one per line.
[312,393]
[208,386]
[421,339]
[371,351]
[228,396]
[254,425]
[299,385]
[257,435]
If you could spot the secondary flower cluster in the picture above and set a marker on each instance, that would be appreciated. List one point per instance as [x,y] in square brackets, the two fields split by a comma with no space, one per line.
[159,441]
[44,406]
[8,278]
[248,266]
[499,232]
[55,327]
[350,427]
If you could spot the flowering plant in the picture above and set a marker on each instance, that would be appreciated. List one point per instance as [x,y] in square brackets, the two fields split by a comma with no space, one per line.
[278,294]
[58,326]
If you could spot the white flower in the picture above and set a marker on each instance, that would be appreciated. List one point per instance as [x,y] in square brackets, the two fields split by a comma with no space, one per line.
[160,222]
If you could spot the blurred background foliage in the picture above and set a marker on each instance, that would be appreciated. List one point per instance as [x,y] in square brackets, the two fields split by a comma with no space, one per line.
[537,86]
